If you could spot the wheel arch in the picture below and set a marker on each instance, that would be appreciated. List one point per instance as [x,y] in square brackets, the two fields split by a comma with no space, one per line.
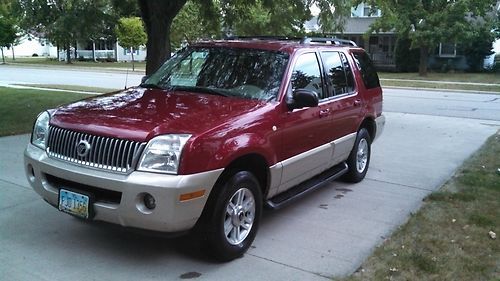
[253,163]
[370,125]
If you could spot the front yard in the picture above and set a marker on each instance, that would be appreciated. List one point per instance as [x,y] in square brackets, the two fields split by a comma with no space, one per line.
[453,236]
[20,107]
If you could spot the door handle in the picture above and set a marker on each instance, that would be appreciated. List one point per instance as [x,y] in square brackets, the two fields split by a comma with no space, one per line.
[357,102]
[324,113]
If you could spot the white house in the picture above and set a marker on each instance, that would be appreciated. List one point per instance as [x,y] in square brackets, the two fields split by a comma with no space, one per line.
[29,46]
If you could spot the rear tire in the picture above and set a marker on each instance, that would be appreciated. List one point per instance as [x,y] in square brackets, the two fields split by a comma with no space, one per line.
[231,218]
[359,159]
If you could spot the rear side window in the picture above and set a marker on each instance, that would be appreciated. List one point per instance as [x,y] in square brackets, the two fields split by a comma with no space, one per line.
[367,69]
[339,74]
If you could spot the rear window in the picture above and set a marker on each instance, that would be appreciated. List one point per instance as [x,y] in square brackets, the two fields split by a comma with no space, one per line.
[367,69]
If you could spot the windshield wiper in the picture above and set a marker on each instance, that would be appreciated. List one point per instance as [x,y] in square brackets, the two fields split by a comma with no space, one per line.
[212,91]
[150,85]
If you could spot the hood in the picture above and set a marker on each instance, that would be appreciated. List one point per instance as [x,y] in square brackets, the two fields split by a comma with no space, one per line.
[140,114]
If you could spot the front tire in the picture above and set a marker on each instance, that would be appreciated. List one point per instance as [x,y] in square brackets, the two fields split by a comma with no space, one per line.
[232,216]
[359,159]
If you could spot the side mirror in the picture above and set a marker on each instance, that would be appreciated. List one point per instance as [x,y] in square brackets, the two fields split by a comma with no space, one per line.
[303,98]
[144,78]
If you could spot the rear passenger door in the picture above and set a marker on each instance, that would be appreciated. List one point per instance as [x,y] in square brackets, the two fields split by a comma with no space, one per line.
[343,102]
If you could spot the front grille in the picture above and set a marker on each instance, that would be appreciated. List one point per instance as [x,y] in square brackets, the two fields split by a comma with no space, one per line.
[105,153]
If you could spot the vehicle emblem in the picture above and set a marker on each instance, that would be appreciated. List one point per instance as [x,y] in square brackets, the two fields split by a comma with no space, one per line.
[83,148]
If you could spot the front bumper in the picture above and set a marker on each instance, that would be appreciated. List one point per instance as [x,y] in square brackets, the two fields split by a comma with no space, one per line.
[170,215]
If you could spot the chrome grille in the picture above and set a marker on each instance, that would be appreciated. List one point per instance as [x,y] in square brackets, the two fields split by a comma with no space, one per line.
[105,153]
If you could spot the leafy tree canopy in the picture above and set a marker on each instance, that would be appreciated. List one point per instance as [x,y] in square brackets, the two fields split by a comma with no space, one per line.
[130,32]
[430,22]
[207,18]
[9,31]
[66,21]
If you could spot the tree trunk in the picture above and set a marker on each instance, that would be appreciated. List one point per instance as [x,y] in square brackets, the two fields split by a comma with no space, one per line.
[13,55]
[57,50]
[424,55]
[158,16]
[132,53]
[93,51]
[68,54]
[76,46]
[3,58]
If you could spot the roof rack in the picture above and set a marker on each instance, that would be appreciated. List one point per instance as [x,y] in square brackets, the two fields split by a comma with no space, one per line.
[328,40]
[302,40]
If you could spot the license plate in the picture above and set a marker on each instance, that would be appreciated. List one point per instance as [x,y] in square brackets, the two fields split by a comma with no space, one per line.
[74,203]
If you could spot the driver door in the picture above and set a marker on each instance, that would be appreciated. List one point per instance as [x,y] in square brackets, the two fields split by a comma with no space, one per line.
[306,150]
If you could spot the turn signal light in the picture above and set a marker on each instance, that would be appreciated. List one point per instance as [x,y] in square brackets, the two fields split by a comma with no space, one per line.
[191,195]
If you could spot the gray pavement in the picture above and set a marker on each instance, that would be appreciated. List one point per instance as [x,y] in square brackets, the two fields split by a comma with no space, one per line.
[16,74]
[325,234]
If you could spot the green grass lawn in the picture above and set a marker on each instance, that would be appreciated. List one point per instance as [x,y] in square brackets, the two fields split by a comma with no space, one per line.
[447,86]
[405,80]
[20,107]
[448,238]
[42,61]
[492,78]
[71,88]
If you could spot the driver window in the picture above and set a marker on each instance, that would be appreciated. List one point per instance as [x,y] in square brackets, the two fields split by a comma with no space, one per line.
[306,74]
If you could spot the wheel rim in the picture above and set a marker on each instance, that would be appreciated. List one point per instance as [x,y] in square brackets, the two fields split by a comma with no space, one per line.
[239,216]
[362,156]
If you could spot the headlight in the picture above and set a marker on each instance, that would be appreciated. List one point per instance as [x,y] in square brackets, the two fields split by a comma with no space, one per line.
[41,130]
[163,154]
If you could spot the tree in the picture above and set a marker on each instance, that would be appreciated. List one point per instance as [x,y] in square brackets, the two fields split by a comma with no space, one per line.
[430,22]
[8,34]
[265,16]
[190,24]
[8,28]
[478,45]
[65,22]
[131,35]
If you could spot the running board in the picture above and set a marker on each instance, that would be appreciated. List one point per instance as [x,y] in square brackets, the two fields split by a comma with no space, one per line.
[309,185]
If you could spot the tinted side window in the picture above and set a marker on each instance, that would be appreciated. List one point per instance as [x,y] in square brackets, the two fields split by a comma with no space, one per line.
[348,73]
[334,72]
[368,72]
[339,74]
[306,74]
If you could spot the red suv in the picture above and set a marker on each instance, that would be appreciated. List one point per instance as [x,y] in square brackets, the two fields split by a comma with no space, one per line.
[222,129]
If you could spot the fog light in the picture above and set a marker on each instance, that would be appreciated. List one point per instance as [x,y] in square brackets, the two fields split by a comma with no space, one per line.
[149,201]
[31,173]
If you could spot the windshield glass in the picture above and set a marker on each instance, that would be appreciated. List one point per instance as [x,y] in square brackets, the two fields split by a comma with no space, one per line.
[245,73]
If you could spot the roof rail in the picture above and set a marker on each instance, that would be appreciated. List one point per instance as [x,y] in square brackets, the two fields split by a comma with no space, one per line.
[328,40]
[304,40]
[261,37]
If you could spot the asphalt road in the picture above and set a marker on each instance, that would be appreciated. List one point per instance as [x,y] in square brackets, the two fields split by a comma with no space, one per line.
[19,74]
[328,233]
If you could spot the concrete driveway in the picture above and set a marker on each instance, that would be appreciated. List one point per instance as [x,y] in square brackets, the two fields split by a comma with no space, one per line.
[328,233]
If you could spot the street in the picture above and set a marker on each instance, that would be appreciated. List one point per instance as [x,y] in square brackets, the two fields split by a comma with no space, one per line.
[328,233]
[19,74]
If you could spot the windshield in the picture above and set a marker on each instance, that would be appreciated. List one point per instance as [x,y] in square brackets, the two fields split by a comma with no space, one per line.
[245,73]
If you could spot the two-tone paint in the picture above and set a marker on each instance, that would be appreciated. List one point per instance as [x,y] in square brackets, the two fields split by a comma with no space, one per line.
[293,145]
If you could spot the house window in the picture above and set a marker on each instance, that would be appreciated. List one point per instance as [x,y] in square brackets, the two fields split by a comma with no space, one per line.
[127,52]
[447,50]
[367,12]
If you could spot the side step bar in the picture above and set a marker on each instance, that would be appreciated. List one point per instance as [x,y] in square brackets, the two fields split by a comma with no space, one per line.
[309,185]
